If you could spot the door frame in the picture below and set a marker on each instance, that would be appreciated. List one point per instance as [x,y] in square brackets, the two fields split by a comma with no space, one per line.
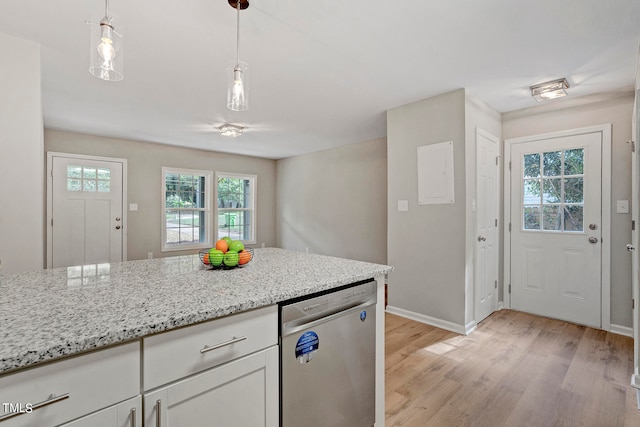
[496,299]
[50,156]
[605,130]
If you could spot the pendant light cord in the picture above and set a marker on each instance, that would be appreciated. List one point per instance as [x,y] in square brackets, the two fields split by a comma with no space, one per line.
[238,33]
[106,8]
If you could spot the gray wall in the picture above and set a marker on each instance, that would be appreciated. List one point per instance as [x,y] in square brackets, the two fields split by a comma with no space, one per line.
[590,111]
[145,162]
[333,202]
[21,158]
[426,245]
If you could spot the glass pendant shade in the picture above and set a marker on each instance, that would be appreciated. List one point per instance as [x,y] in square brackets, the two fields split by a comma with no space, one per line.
[238,86]
[106,50]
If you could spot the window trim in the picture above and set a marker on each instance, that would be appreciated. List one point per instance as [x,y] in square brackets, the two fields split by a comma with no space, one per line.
[254,198]
[207,210]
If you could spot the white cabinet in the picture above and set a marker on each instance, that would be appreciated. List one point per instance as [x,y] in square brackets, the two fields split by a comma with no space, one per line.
[243,392]
[174,355]
[219,373]
[125,414]
[58,392]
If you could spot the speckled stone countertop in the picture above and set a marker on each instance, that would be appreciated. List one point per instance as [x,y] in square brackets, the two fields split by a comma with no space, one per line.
[58,312]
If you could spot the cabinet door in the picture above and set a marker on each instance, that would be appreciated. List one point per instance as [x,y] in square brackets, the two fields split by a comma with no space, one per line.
[243,392]
[125,414]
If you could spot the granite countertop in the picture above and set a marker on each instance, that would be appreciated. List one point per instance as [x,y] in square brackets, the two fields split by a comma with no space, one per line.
[58,312]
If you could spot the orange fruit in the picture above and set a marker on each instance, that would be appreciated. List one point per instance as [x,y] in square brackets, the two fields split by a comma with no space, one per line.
[244,257]
[222,245]
[205,259]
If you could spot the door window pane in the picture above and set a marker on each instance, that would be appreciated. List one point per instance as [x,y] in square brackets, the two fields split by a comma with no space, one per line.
[573,218]
[554,202]
[574,162]
[552,163]
[552,190]
[551,218]
[573,190]
[531,220]
[532,165]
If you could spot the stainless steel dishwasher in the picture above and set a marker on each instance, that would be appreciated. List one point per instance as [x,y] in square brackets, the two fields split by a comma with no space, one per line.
[327,358]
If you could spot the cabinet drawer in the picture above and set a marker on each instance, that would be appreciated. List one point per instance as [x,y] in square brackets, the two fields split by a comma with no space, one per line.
[74,387]
[176,354]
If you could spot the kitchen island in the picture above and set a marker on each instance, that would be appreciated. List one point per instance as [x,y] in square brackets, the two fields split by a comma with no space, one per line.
[52,314]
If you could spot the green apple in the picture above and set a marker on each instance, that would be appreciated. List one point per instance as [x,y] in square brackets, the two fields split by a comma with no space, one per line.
[231,258]
[236,245]
[227,239]
[215,257]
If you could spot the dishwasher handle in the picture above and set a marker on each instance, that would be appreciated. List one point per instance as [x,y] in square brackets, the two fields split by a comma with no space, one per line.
[311,321]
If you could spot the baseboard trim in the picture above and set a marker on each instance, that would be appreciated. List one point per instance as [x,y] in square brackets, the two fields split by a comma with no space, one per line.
[500,306]
[621,330]
[433,321]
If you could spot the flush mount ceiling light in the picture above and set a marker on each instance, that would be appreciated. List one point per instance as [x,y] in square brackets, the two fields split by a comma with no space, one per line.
[106,49]
[231,130]
[550,90]
[237,73]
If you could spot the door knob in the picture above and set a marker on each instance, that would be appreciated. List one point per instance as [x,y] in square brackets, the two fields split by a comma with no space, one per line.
[593,226]
[630,247]
[481,238]
[593,240]
[117,218]
[117,227]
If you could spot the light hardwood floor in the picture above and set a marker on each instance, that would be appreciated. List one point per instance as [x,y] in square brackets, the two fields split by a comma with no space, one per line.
[516,370]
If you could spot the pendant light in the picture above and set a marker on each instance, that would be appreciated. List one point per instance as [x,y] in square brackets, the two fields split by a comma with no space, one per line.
[106,49]
[237,73]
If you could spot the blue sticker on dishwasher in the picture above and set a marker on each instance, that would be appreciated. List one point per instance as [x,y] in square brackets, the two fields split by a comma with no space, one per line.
[307,346]
[363,315]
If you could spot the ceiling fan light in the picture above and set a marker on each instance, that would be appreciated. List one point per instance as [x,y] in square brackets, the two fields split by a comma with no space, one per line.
[229,129]
[549,90]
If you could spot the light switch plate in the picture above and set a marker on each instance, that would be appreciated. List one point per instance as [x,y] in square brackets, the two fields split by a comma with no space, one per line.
[622,207]
[133,207]
[403,205]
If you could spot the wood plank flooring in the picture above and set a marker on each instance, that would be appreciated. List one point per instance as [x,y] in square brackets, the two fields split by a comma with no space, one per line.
[516,370]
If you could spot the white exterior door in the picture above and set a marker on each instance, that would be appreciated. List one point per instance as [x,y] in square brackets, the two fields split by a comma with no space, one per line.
[86,222]
[556,220]
[486,281]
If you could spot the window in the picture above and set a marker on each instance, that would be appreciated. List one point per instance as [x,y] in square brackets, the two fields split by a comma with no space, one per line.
[236,196]
[553,191]
[186,209]
[88,179]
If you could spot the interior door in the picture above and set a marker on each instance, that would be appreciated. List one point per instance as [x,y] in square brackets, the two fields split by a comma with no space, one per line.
[556,218]
[86,216]
[486,268]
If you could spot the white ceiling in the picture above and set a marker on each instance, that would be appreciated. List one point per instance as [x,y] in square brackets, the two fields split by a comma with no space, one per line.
[323,73]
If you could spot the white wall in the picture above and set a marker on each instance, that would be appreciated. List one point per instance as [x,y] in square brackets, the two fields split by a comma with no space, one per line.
[616,109]
[426,244]
[21,158]
[145,162]
[333,202]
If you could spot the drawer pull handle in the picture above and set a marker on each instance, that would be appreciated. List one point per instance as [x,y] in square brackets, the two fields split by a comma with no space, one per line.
[158,407]
[223,344]
[52,399]
[132,414]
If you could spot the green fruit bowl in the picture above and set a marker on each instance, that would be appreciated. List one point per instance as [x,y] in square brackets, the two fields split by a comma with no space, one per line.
[217,260]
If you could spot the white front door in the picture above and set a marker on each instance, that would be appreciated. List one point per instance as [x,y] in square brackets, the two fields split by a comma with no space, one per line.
[556,219]
[635,244]
[86,210]
[486,280]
